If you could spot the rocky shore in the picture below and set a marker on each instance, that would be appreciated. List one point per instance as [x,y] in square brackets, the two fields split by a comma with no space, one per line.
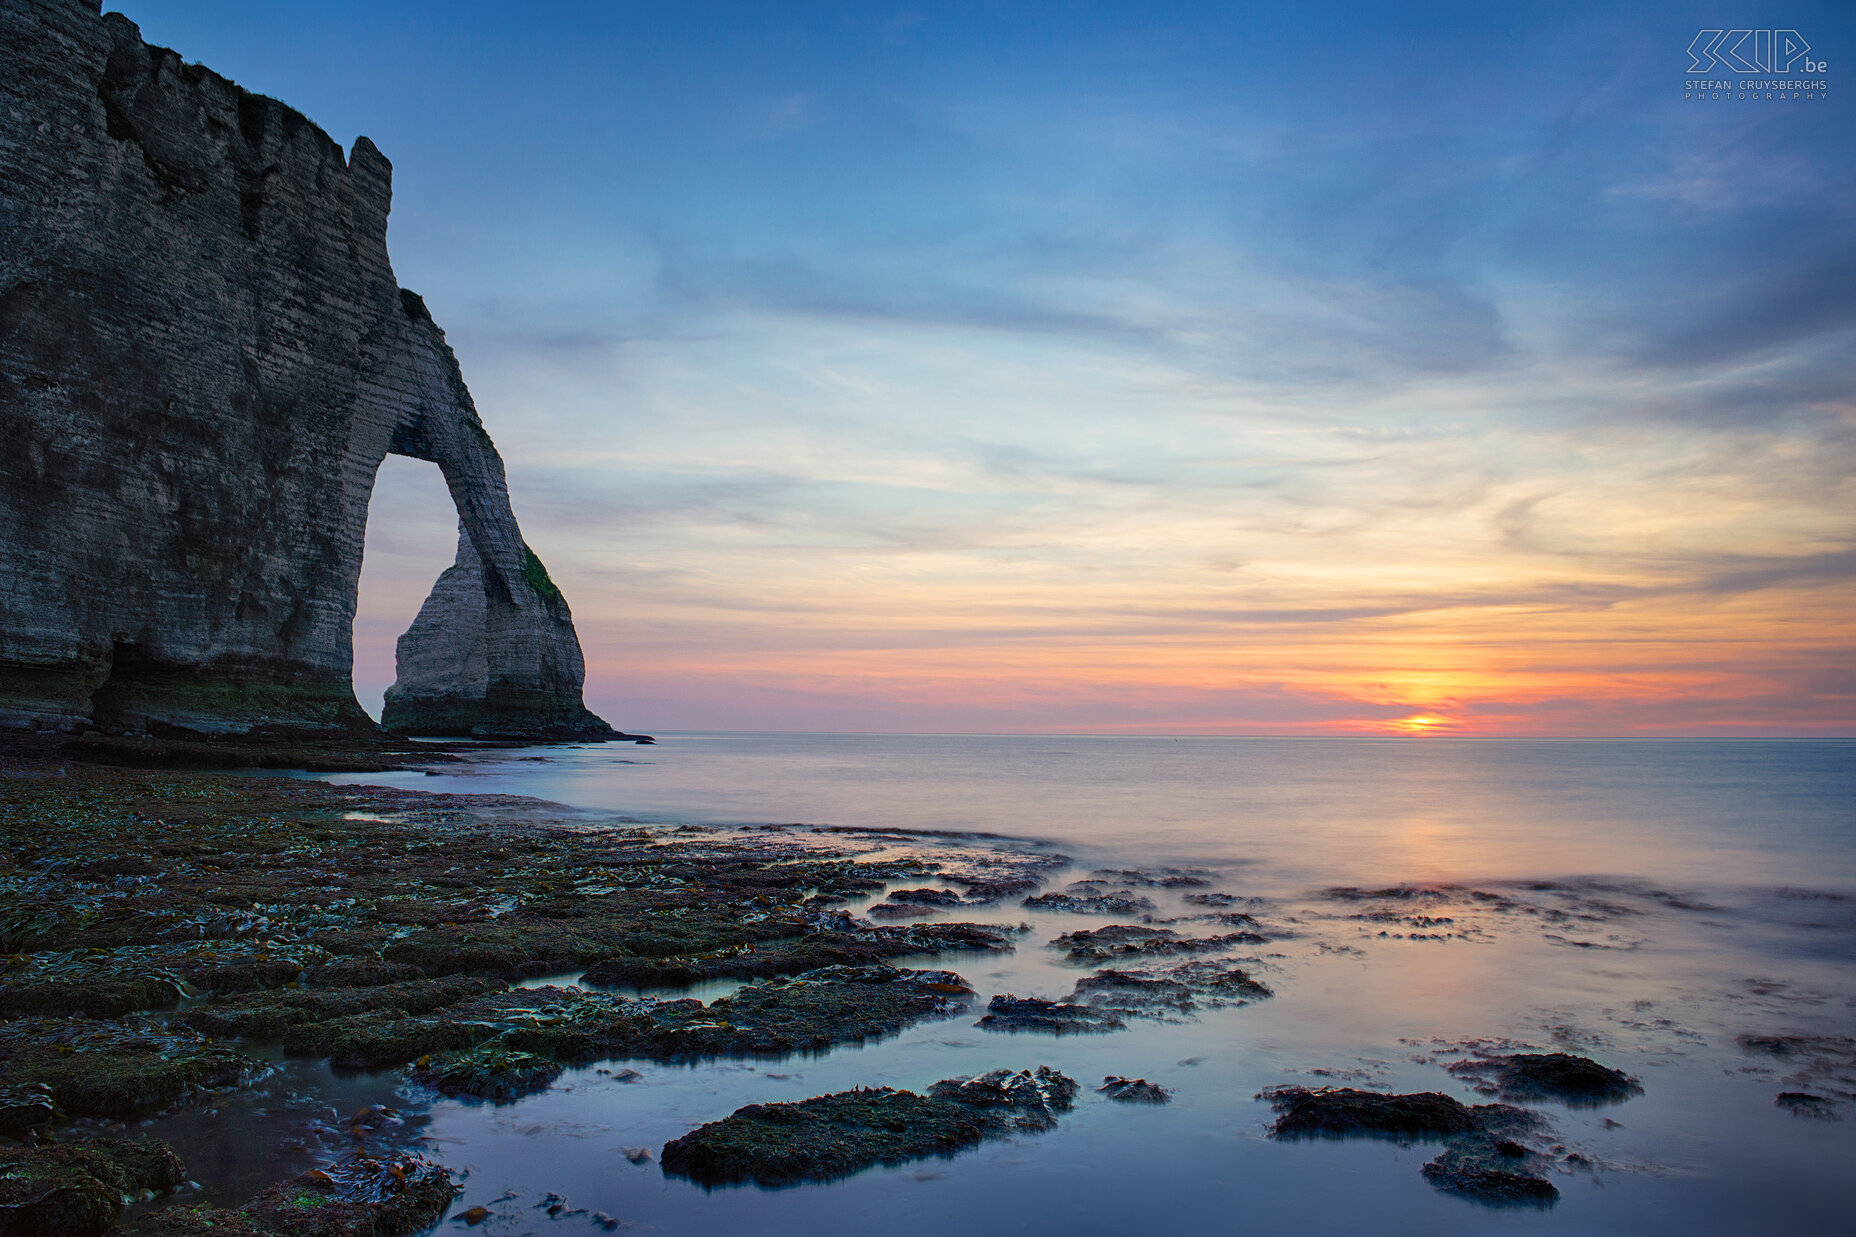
[163,935]
[171,939]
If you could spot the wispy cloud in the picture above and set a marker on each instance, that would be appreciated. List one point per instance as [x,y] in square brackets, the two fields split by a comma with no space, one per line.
[928,375]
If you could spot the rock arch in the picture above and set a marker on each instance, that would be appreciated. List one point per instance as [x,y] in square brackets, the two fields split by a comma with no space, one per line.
[204,356]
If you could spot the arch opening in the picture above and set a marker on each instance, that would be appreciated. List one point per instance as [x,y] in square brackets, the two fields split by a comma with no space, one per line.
[412,536]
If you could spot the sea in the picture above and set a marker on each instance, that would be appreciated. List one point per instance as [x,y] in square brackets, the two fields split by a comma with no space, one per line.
[1681,910]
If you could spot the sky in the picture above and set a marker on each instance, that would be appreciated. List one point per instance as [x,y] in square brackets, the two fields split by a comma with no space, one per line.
[1352,368]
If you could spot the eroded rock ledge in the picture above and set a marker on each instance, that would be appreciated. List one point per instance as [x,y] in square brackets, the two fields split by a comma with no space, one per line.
[204,357]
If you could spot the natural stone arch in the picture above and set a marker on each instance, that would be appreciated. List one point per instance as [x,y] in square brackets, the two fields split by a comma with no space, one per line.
[493,651]
[204,357]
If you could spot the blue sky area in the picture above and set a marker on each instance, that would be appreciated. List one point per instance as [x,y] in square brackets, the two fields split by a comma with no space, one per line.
[1045,366]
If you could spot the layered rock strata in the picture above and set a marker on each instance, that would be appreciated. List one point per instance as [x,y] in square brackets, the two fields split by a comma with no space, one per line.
[450,681]
[204,356]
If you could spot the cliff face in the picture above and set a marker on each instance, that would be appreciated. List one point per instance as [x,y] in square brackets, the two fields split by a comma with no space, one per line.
[204,356]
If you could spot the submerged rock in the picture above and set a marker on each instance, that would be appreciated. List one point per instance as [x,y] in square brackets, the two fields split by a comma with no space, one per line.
[1026,1013]
[1497,1172]
[1547,1075]
[1804,1104]
[1134,1090]
[832,1136]
[77,1189]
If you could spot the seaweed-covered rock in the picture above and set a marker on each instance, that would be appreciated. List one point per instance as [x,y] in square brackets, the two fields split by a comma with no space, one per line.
[1029,1013]
[844,944]
[832,1136]
[511,949]
[384,1039]
[981,890]
[814,1010]
[26,1108]
[1217,982]
[357,1197]
[272,1015]
[488,1072]
[1482,1158]
[1338,1112]
[1089,903]
[823,1138]
[77,1189]
[1497,1172]
[1176,989]
[1547,1075]
[570,1025]
[129,1068]
[1114,934]
[360,973]
[1165,878]
[1132,991]
[1028,1099]
[1134,1090]
[373,926]
[91,998]
[806,1013]
[248,974]
[1119,942]
[925,897]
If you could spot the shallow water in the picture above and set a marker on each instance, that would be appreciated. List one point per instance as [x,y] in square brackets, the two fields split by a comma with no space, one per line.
[1647,903]
[1302,810]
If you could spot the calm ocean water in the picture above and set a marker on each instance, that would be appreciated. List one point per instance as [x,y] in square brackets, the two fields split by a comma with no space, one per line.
[1344,810]
[1685,911]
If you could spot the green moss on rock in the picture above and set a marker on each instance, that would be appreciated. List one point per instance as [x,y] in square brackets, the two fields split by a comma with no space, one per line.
[832,1136]
[538,579]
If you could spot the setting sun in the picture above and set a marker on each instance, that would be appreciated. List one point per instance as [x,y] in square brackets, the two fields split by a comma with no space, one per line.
[1422,723]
